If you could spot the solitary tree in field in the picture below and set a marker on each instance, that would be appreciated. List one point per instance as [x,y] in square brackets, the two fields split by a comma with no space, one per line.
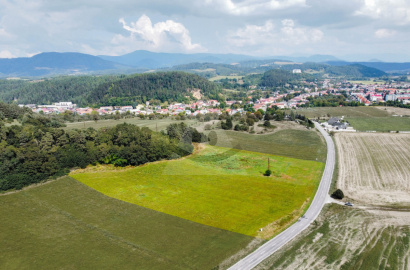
[95,116]
[338,194]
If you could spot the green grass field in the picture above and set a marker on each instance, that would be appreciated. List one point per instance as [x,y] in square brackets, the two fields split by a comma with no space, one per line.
[300,144]
[158,124]
[343,111]
[219,187]
[380,124]
[369,82]
[225,77]
[67,225]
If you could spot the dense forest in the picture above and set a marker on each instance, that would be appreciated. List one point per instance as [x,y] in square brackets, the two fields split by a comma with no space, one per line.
[70,88]
[35,149]
[107,90]
[162,86]
[278,78]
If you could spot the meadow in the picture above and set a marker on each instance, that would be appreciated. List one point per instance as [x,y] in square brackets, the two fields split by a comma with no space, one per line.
[301,144]
[229,77]
[156,125]
[219,187]
[367,82]
[362,111]
[380,124]
[378,119]
[66,225]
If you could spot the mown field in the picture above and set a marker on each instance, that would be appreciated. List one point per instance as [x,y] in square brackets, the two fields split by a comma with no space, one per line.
[364,82]
[158,124]
[374,167]
[348,239]
[300,144]
[380,124]
[225,77]
[343,111]
[377,119]
[219,187]
[67,225]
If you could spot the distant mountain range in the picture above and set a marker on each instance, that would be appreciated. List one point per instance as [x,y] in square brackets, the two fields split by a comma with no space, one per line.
[384,66]
[151,60]
[52,63]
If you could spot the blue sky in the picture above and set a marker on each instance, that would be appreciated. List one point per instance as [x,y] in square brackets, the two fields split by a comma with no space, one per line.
[348,29]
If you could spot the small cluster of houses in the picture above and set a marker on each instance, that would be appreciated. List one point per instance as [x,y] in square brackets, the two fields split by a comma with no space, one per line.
[337,124]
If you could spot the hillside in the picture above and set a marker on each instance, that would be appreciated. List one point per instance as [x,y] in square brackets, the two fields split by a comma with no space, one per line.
[72,88]
[104,90]
[162,86]
[384,66]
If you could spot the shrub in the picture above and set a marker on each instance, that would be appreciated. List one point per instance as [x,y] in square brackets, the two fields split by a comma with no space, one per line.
[338,194]
[267,173]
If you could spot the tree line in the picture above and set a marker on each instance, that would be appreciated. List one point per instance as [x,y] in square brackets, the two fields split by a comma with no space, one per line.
[35,150]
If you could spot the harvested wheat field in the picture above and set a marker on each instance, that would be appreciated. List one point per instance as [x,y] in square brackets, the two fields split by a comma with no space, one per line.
[375,168]
[348,239]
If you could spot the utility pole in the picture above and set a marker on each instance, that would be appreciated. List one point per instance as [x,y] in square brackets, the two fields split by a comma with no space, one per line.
[268,164]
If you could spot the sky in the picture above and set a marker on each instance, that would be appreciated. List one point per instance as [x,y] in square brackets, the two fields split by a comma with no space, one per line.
[354,30]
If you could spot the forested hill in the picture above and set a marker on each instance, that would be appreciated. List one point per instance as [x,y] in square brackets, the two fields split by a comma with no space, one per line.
[107,90]
[354,70]
[70,88]
[162,86]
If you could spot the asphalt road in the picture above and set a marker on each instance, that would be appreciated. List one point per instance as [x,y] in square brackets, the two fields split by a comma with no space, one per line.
[311,214]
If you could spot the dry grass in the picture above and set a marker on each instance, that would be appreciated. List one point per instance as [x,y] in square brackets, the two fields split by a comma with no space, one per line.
[347,238]
[374,168]
[395,110]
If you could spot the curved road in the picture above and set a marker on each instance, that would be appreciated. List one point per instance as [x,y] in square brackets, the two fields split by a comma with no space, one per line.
[311,214]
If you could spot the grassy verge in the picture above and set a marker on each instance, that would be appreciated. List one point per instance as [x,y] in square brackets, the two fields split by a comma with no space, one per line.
[333,184]
[67,225]
[220,187]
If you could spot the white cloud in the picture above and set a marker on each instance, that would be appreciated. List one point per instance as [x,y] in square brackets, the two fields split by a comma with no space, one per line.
[6,54]
[160,36]
[4,33]
[252,34]
[252,7]
[299,35]
[385,33]
[397,11]
[267,37]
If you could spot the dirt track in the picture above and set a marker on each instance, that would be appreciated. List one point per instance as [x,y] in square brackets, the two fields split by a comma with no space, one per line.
[374,168]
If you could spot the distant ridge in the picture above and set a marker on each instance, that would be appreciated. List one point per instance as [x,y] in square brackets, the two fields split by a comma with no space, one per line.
[152,60]
[51,63]
[384,66]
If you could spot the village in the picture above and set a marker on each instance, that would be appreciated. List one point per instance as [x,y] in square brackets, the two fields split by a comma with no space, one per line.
[364,94]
